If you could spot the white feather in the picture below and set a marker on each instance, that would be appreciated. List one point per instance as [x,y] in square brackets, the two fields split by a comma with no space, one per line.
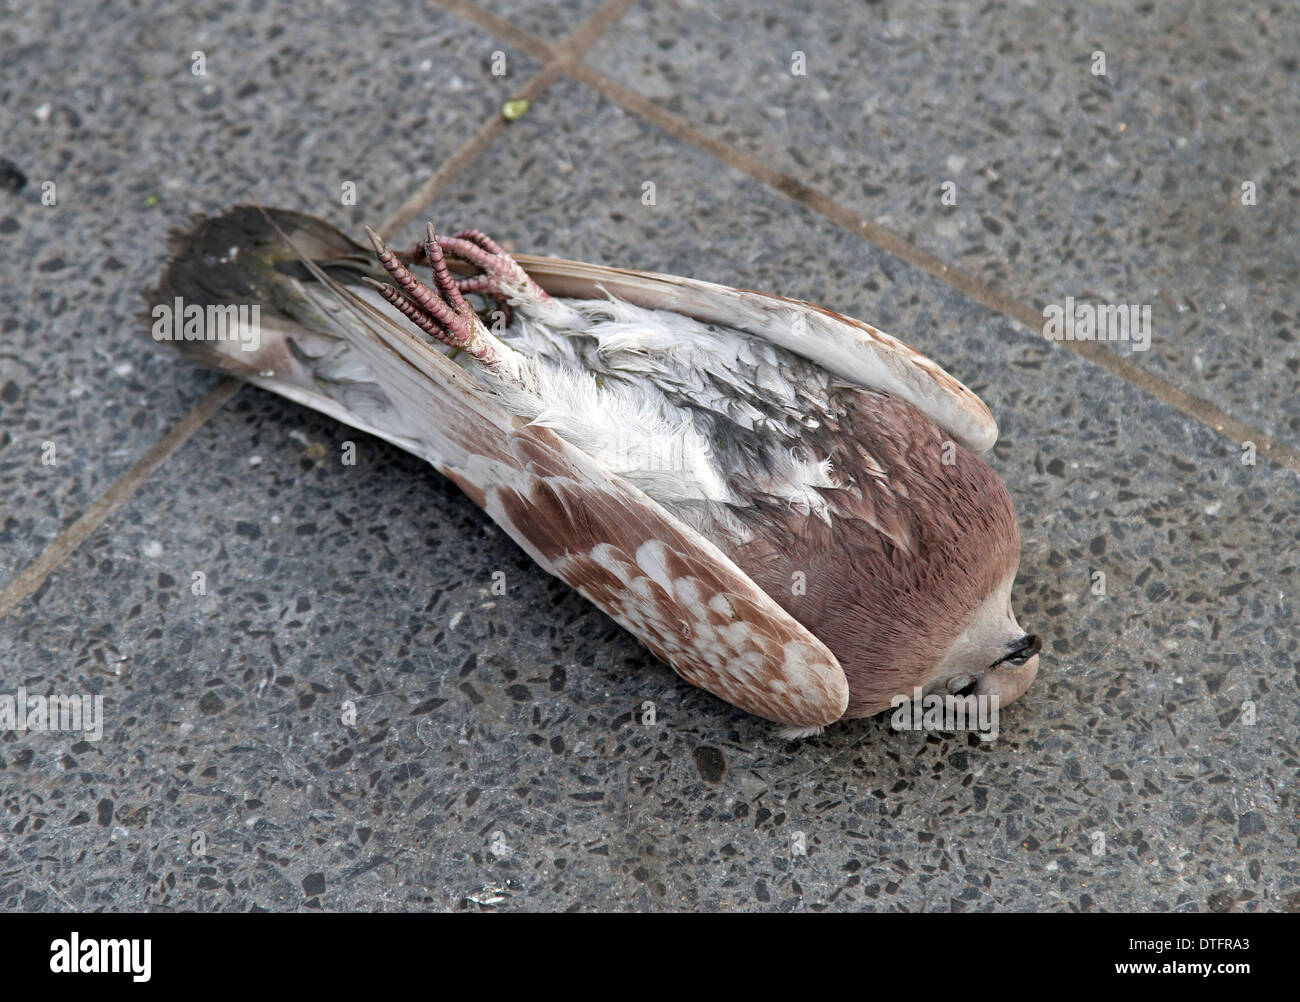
[630,385]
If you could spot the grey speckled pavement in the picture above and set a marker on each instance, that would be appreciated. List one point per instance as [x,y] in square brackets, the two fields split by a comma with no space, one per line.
[942,170]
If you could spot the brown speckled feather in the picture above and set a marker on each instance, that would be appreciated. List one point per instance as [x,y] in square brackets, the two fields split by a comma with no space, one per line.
[680,595]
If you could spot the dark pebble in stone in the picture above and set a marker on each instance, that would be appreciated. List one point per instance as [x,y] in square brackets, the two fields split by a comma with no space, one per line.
[1221,901]
[313,884]
[11,178]
[340,759]
[211,703]
[711,764]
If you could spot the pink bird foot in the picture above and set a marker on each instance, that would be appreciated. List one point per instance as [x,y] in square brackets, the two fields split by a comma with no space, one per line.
[500,276]
[443,314]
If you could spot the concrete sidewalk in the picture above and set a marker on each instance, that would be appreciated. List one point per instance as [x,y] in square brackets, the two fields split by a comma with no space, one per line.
[498,760]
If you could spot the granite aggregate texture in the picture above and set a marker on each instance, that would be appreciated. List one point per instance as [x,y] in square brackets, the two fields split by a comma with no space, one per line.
[348,715]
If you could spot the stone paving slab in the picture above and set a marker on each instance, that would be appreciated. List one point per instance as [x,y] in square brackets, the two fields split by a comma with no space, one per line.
[497,759]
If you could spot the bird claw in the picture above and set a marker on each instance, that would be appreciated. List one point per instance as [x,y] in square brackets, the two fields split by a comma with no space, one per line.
[500,277]
[486,288]
[442,314]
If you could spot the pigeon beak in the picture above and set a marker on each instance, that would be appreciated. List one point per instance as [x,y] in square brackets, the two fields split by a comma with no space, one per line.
[1010,677]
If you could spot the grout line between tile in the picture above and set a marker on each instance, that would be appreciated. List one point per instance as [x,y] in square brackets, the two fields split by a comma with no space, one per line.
[466,154]
[559,58]
[34,574]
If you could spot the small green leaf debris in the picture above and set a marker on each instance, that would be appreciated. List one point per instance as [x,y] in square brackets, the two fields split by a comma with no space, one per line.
[515,109]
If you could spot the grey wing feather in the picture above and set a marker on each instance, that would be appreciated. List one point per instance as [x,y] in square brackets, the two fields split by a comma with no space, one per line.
[850,349]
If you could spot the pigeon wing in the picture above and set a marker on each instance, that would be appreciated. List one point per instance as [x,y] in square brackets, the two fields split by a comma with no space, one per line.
[848,348]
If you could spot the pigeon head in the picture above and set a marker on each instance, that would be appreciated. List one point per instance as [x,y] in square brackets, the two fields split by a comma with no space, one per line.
[991,656]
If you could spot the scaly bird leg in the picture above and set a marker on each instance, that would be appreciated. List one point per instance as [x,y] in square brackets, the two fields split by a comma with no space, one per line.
[485,288]
[482,239]
[443,315]
[500,276]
